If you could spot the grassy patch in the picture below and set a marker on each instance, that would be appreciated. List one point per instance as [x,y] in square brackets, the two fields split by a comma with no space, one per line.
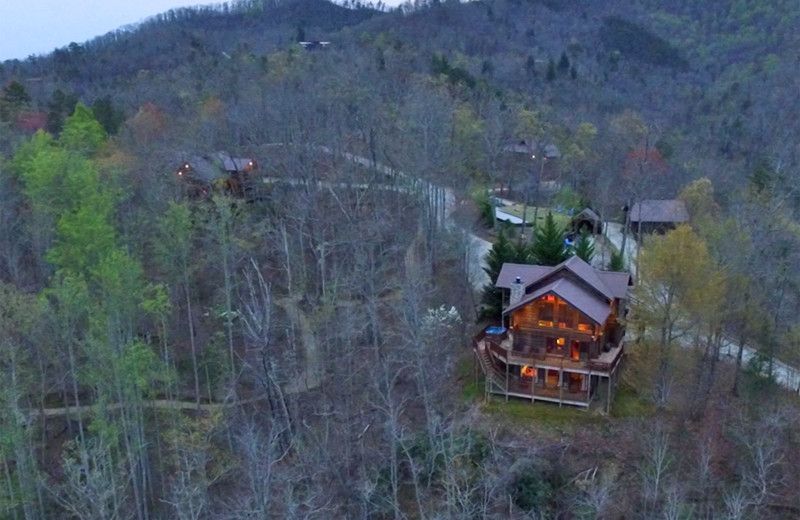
[544,414]
[472,390]
[465,373]
[561,219]
[628,403]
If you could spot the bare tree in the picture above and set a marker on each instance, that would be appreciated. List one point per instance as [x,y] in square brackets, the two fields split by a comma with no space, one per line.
[257,318]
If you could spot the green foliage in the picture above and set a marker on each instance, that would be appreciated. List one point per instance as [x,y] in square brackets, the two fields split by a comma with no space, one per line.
[440,66]
[628,403]
[584,247]
[639,43]
[107,115]
[523,412]
[13,100]
[503,251]
[173,243]
[563,63]
[84,236]
[551,70]
[616,262]
[533,485]
[549,246]
[530,66]
[762,176]
[58,108]
[485,205]
[567,199]
[82,133]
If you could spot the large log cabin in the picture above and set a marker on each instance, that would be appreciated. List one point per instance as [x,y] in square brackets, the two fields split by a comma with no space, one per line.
[561,338]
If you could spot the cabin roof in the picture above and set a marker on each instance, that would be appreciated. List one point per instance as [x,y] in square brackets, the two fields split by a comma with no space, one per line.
[589,304]
[609,284]
[666,211]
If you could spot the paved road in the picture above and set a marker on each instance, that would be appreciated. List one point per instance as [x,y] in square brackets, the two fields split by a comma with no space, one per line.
[784,375]
[614,235]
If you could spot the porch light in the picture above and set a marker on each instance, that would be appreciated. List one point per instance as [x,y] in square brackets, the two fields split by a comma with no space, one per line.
[526,371]
[560,341]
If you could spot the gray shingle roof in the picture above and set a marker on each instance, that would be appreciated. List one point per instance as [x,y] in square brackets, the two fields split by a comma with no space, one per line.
[671,211]
[587,289]
[595,308]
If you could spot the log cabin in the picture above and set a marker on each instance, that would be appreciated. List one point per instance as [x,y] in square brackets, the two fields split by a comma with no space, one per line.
[561,334]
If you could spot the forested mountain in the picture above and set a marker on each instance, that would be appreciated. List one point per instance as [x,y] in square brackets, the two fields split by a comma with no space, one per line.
[296,344]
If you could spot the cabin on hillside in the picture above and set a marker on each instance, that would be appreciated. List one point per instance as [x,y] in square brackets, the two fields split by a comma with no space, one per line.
[657,216]
[531,165]
[314,45]
[561,338]
[533,148]
[218,172]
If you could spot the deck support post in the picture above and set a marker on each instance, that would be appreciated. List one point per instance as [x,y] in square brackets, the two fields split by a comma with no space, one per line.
[506,378]
[589,387]
[561,385]
[533,382]
[475,361]
[608,397]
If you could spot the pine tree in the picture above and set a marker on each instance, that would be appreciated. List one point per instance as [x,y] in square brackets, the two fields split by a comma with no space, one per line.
[549,246]
[551,70]
[584,247]
[563,63]
[616,263]
[503,251]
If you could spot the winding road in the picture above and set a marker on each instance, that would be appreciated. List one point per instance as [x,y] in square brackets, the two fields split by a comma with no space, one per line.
[783,374]
[477,250]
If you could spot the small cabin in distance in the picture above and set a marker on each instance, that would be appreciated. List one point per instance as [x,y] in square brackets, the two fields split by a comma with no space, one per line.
[657,216]
[314,45]
[221,172]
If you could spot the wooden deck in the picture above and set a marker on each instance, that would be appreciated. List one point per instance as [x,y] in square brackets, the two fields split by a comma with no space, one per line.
[496,358]
[604,365]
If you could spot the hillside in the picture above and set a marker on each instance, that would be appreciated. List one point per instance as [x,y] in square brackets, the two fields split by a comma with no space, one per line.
[236,274]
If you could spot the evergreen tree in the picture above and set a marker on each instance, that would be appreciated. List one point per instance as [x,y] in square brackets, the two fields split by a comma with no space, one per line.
[551,70]
[616,263]
[530,65]
[503,251]
[13,100]
[549,246]
[82,132]
[59,107]
[584,247]
[107,115]
[563,63]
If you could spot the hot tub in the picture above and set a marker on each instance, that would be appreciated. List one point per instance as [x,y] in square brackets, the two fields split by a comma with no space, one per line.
[495,331]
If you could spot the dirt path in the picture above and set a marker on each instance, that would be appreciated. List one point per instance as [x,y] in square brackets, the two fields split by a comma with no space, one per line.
[164,404]
[312,368]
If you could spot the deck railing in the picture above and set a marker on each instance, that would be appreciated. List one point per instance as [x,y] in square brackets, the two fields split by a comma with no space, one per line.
[606,363]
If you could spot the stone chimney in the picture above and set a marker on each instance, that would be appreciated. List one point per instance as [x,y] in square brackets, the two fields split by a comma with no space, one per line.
[517,291]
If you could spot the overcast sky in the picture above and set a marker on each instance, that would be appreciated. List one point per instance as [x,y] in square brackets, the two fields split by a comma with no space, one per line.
[40,26]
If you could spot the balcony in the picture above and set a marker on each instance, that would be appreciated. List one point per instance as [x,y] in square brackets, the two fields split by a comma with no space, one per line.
[508,351]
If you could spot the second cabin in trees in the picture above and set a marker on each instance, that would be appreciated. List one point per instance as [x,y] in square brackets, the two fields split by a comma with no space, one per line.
[219,172]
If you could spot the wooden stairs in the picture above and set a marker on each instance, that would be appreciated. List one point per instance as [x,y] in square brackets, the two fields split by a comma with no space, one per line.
[495,376]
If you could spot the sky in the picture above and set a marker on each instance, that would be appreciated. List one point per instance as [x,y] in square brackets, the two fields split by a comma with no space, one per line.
[41,26]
